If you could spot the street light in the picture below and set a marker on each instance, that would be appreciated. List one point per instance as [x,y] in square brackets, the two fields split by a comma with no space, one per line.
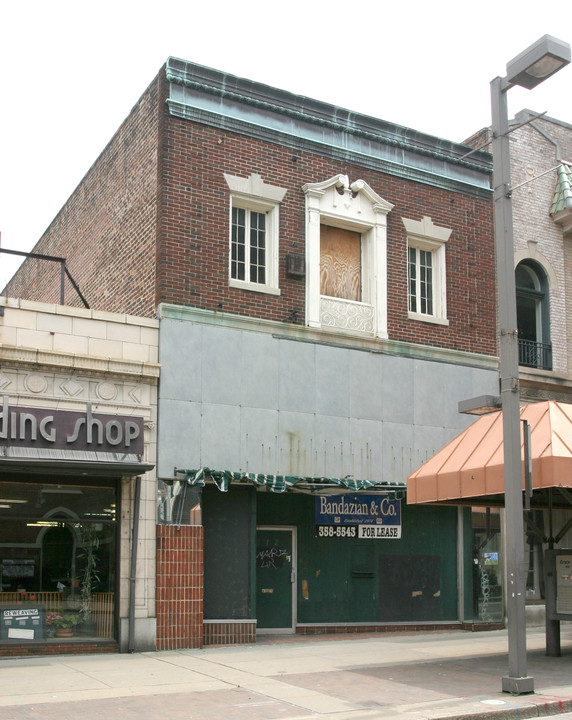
[531,67]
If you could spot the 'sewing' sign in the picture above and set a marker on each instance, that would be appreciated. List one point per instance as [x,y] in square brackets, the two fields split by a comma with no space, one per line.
[65,430]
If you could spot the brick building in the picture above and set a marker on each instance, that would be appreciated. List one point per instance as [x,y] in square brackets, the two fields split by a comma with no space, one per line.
[541,177]
[325,287]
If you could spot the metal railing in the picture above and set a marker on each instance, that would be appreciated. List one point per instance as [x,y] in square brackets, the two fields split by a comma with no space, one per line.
[535,354]
[64,272]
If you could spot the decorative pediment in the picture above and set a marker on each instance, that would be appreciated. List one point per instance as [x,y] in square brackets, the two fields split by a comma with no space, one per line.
[354,208]
[337,197]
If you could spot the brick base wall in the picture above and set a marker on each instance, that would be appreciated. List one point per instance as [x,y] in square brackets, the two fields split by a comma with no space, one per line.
[179,586]
[57,648]
[333,628]
[229,632]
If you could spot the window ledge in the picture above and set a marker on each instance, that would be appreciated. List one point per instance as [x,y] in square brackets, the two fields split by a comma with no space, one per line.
[428,319]
[254,287]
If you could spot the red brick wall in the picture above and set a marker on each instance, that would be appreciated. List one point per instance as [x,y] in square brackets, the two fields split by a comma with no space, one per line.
[149,224]
[229,632]
[106,229]
[193,245]
[179,586]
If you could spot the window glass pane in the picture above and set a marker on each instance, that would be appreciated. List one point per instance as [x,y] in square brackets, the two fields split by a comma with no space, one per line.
[425,282]
[525,278]
[57,560]
[412,270]
[238,240]
[420,281]
[527,317]
[257,247]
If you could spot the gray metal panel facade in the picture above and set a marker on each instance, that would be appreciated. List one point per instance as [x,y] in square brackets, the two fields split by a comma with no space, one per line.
[234,397]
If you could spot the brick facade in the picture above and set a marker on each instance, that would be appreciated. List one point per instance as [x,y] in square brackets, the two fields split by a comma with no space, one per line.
[149,223]
[106,230]
[179,586]
[537,148]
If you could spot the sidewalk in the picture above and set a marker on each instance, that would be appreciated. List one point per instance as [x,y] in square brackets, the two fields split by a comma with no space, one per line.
[375,677]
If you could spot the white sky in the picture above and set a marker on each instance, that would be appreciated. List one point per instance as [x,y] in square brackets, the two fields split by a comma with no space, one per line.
[71,71]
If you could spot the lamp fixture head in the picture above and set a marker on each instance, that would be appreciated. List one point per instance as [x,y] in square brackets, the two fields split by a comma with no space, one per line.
[538,62]
[482,405]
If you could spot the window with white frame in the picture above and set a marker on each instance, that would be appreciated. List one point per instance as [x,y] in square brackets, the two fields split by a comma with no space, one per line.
[254,223]
[426,270]
[346,257]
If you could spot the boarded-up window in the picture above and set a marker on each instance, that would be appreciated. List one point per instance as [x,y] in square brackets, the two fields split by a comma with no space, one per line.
[340,263]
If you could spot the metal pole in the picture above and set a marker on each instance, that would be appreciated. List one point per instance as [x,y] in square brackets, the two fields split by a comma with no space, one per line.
[133,568]
[517,681]
[62,282]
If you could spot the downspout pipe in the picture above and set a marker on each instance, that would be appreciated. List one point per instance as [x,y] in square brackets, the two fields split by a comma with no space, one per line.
[133,569]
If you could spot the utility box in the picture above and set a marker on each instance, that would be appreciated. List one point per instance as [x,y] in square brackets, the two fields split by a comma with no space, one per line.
[558,568]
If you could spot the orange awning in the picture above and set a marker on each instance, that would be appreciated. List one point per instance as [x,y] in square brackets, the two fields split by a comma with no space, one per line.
[469,470]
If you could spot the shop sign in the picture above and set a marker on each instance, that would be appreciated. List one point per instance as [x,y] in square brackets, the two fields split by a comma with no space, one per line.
[21,623]
[67,430]
[363,516]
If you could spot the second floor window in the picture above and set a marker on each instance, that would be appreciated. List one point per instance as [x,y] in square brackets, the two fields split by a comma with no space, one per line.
[420,281]
[426,270]
[254,225]
[533,316]
[248,246]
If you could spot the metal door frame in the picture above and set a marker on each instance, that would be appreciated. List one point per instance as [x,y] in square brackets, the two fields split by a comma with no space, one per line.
[291,630]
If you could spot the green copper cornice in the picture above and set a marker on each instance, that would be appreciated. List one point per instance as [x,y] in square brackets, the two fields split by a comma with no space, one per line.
[562,198]
[211,97]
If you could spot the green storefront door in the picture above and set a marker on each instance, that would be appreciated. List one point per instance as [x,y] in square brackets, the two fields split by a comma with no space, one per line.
[275,579]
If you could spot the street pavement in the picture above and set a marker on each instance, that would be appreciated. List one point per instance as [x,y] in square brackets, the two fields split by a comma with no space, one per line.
[398,676]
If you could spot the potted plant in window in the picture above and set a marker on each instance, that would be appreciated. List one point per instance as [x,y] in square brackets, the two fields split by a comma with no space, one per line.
[51,619]
[63,623]
[89,577]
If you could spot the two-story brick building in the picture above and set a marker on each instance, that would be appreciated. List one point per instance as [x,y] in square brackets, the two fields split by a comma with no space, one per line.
[325,288]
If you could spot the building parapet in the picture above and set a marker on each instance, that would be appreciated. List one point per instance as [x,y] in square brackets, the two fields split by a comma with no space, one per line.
[212,97]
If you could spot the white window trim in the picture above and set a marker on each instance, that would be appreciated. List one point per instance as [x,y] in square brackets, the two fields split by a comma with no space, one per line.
[425,235]
[358,208]
[254,194]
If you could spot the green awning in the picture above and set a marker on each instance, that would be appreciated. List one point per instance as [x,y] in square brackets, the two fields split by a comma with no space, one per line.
[282,483]
[562,198]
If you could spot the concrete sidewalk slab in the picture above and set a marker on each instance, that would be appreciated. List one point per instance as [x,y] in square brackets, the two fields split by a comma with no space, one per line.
[421,676]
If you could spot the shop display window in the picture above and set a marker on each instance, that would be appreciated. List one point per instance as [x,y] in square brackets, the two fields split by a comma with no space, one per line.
[57,560]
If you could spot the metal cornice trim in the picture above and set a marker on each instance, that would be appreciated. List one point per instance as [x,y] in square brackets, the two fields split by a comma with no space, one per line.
[408,172]
[323,122]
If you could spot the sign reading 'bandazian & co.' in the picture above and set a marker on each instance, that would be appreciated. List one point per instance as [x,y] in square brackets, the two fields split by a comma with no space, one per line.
[67,430]
[364,516]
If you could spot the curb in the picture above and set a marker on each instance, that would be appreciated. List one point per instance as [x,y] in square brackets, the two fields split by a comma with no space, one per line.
[533,710]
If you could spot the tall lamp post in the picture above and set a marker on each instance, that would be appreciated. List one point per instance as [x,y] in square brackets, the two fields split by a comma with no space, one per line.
[530,68]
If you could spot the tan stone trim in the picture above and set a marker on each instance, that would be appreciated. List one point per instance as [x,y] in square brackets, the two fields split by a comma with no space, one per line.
[17,356]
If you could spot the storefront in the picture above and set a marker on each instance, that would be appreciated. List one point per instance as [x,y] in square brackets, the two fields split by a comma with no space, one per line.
[469,472]
[58,542]
[60,504]
[77,482]
[312,555]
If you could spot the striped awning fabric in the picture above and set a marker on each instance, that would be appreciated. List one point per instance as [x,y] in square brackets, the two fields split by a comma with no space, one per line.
[283,483]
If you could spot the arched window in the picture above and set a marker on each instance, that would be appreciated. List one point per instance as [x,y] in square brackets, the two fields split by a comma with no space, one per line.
[533,317]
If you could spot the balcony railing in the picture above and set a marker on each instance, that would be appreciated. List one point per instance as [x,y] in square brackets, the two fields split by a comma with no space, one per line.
[535,354]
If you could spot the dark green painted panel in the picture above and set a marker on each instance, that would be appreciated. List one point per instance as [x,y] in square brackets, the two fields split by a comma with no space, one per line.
[228,552]
[274,578]
[338,578]
[468,564]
